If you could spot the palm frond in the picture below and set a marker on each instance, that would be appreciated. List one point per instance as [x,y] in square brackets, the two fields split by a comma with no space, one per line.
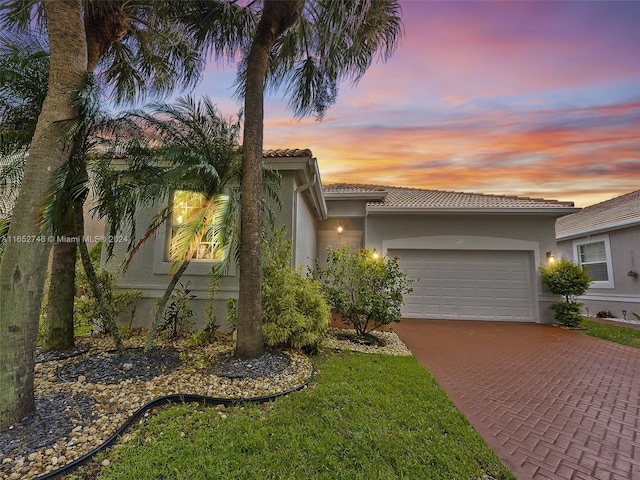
[22,15]
[332,42]
[24,66]
[11,172]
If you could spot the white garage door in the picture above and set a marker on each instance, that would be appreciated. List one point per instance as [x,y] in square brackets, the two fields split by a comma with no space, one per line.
[468,284]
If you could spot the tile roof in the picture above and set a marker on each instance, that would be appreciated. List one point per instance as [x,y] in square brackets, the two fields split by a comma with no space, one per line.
[408,198]
[287,152]
[616,212]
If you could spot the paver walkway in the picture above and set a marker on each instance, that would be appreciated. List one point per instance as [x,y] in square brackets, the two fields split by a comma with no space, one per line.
[552,404]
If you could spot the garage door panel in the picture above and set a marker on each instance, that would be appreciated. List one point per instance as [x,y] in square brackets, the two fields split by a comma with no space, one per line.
[463,284]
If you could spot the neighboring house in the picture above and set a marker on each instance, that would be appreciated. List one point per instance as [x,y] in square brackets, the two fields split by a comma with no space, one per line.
[472,256]
[605,238]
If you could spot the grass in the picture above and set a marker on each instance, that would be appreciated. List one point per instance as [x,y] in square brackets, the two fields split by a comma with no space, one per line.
[613,333]
[363,417]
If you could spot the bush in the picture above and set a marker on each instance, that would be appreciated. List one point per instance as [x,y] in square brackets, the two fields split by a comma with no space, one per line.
[568,314]
[294,310]
[365,289]
[566,278]
[604,314]
[179,316]
[569,280]
[85,308]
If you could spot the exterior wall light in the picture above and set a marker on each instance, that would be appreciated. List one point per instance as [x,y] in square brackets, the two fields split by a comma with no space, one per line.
[375,255]
[551,257]
[340,229]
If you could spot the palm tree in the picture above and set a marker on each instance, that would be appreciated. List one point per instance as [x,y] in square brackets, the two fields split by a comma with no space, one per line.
[21,290]
[138,49]
[23,266]
[185,155]
[309,47]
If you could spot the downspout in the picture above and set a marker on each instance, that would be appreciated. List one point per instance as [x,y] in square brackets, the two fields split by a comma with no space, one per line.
[294,223]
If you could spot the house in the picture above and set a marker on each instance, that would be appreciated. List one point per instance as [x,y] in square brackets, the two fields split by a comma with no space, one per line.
[472,256]
[605,238]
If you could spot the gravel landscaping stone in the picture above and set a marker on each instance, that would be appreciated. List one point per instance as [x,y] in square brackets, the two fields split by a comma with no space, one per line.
[84,396]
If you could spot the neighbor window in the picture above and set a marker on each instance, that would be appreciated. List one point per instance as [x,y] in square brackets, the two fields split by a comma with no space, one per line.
[595,255]
[188,206]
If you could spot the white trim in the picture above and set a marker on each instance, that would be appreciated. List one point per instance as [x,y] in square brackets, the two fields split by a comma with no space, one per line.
[611,298]
[163,267]
[607,251]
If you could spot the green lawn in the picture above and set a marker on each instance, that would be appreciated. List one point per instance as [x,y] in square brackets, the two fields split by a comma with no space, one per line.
[363,417]
[613,333]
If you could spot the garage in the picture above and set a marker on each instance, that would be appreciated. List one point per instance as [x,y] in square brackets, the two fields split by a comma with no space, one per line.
[468,284]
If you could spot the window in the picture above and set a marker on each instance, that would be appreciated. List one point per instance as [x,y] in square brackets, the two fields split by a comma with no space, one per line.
[595,255]
[191,207]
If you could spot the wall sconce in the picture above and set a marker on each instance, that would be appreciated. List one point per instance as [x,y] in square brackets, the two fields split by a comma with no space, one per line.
[633,274]
[375,255]
[551,257]
[340,229]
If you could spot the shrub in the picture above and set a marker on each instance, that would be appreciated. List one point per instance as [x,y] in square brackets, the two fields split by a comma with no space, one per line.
[568,314]
[566,278]
[365,289]
[85,308]
[179,316]
[569,280]
[294,310]
[604,314]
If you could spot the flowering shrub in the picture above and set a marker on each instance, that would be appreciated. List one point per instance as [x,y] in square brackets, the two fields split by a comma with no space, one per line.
[367,290]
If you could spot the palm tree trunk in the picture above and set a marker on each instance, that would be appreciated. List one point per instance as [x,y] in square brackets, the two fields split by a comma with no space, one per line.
[162,304]
[24,264]
[277,17]
[103,26]
[58,326]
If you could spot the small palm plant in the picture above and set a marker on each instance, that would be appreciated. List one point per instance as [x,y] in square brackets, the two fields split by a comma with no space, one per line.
[188,156]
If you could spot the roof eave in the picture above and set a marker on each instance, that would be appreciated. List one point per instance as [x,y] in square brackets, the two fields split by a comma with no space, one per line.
[599,229]
[368,196]
[551,211]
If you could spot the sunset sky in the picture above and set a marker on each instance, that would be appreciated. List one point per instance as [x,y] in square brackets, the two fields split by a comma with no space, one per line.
[521,98]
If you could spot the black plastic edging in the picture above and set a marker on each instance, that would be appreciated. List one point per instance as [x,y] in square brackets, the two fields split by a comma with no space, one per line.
[167,399]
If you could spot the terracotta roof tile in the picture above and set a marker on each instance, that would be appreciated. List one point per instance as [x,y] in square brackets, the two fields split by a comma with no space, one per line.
[403,197]
[287,152]
[623,210]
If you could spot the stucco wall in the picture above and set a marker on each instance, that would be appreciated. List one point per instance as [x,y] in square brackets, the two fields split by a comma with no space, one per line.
[150,272]
[625,256]
[535,234]
[538,229]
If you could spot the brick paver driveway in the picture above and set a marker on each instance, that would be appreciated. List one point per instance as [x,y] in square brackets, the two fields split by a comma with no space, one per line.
[550,402]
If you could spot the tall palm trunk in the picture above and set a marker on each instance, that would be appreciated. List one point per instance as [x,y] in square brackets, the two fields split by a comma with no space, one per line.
[24,263]
[277,17]
[103,26]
